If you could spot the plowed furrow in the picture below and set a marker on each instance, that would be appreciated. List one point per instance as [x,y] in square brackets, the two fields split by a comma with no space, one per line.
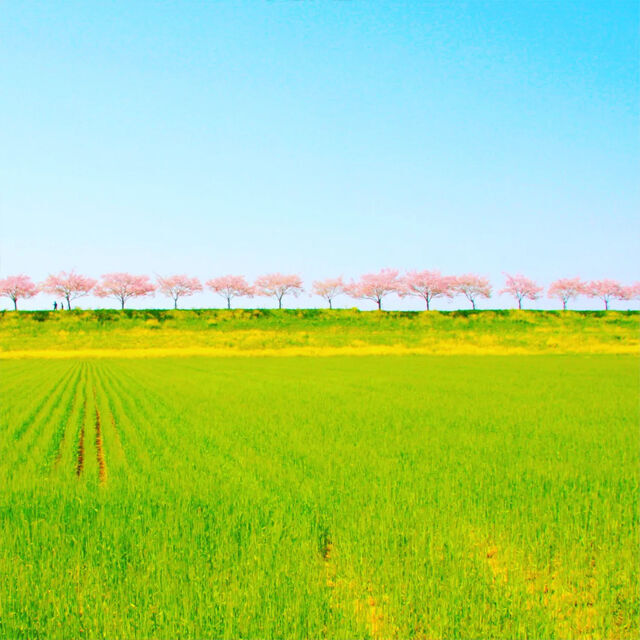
[80,450]
[109,416]
[102,465]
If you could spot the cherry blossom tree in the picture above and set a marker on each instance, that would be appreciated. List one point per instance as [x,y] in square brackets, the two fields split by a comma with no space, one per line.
[632,292]
[520,288]
[329,289]
[230,287]
[427,285]
[566,289]
[472,287]
[375,286]
[606,290]
[278,285]
[124,286]
[178,286]
[17,288]
[69,285]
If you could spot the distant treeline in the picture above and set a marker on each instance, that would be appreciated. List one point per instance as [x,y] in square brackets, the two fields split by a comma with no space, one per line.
[376,287]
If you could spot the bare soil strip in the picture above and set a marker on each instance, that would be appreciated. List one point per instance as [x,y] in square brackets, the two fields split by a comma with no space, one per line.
[102,465]
[108,408]
[80,459]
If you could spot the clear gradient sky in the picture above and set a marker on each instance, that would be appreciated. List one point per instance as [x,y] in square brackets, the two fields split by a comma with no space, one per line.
[320,138]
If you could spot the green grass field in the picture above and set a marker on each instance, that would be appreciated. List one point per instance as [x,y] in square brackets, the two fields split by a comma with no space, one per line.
[371,497]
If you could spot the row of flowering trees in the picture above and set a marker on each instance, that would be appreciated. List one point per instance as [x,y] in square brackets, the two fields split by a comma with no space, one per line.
[427,285]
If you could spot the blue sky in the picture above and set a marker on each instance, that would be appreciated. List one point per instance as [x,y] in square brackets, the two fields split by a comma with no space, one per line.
[321,138]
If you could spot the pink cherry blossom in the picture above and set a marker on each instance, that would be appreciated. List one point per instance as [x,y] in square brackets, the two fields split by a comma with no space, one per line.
[472,287]
[427,285]
[521,287]
[17,288]
[278,285]
[230,287]
[176,287]
[375,286]
[69,285]
[329,289]
[124,286]
[606,290]
[566,289]
[632,292]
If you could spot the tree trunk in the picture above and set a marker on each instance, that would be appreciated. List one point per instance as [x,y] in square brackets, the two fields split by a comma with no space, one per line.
[379,304]
[68,303]
[15,304]
[330,305]
[564,305]
[280,302]
[229,303]
[519,303]
[427,299]
[175,303]
[122,303]
[473,304]
[606,305]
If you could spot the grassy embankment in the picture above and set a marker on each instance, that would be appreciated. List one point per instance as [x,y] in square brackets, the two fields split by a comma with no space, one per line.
[314,332]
